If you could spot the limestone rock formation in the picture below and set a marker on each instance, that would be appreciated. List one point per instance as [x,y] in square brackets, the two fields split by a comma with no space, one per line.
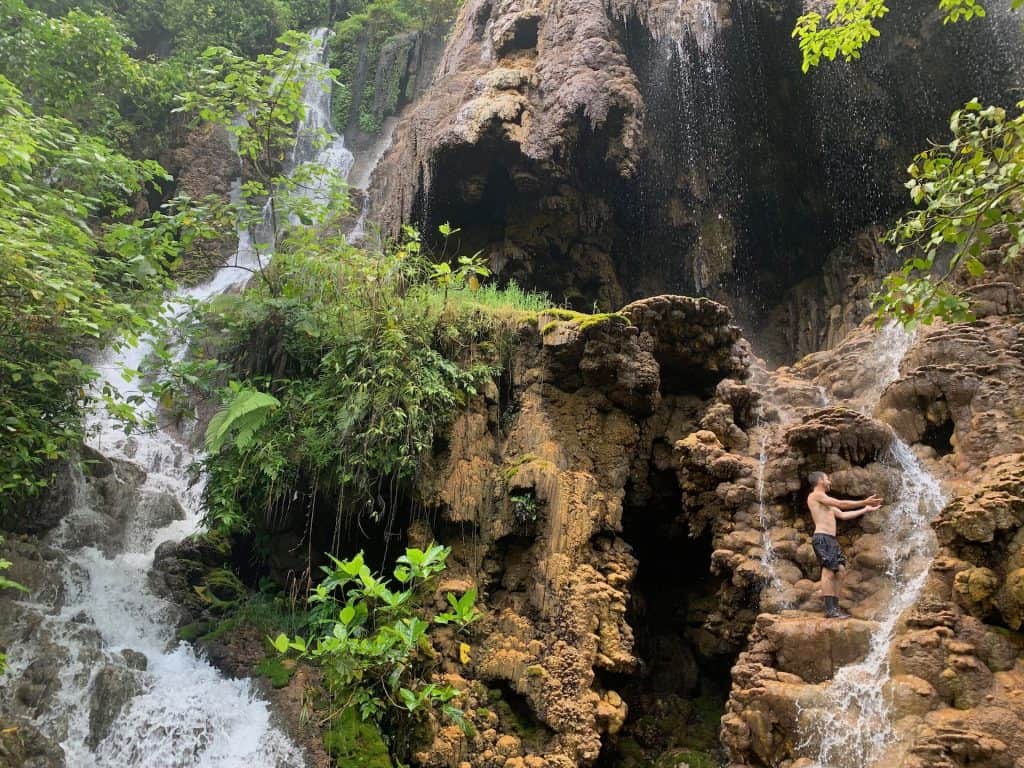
[605,151]
[952,694]
[532,502]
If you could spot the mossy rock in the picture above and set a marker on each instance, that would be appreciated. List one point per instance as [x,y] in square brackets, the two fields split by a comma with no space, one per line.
[609,318]
[355,743]
[278,670]
[221,589]
[194,631]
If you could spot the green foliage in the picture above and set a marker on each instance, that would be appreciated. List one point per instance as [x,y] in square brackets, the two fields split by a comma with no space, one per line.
[367,375]
[76,66]
[371,638]
[267,90]
[465,276]
[967,192]
[61,288]
[6,583]
[241,417]
[244,25]
[463,610]
[851,25]
[525,507]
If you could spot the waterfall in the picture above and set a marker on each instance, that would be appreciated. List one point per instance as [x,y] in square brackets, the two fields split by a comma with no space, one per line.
[185,712]
[854,728]
[316,141]
[768,556]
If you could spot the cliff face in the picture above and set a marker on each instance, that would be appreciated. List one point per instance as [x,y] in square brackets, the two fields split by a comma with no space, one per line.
[630,504]
[606,151]
[533,492]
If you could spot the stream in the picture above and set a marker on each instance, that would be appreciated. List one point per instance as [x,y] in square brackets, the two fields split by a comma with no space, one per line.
[127,693]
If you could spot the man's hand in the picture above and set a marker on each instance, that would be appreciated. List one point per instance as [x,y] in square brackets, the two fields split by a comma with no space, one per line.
[873,500]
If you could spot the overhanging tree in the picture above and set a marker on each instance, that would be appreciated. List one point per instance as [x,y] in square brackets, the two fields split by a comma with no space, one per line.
[968,191]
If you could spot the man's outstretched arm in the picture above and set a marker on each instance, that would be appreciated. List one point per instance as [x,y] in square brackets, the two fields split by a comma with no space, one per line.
[851,514]
[847,504]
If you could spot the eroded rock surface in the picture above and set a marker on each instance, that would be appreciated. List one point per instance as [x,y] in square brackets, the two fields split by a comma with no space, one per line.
[532,501]
[609,150]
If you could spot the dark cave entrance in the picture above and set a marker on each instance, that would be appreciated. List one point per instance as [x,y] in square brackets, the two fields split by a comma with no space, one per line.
[939,437]
[677,696]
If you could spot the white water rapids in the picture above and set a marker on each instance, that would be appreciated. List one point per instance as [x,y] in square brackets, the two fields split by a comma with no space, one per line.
[187,713]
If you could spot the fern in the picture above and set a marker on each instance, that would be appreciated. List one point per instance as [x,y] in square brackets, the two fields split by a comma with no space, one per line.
[243,417]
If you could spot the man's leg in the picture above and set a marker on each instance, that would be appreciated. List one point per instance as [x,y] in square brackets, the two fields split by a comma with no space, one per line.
[828,583]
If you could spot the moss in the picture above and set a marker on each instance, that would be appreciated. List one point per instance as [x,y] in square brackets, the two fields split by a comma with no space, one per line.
[194,631]
[221,590]
[563,314]
[355,743]
[613,318]
[278,670]
[513,466]
[580,320]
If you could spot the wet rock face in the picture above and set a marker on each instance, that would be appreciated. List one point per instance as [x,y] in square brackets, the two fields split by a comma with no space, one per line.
[112,689]
[952,697]
[25,746]
[604,151]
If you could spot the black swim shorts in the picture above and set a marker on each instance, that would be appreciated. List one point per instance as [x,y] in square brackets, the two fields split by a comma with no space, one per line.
[829,553]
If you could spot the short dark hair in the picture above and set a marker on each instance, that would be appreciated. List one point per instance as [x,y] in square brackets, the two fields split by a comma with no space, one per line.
[816,477]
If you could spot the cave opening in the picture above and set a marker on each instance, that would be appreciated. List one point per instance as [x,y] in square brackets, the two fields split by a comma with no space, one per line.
[677,695]
[939,436]
[516,715]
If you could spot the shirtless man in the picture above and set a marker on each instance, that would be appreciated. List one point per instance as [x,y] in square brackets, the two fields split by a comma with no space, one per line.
[826,510]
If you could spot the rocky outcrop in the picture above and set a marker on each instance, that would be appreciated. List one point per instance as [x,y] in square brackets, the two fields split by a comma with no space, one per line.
[533,501]
[951,692]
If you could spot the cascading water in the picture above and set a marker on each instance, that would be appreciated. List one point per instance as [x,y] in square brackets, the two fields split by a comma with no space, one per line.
[854,728]
[315,139]
[176,710]
[768,555]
